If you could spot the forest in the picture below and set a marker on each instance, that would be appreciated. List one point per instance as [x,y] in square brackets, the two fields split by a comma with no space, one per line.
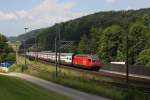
[103,33]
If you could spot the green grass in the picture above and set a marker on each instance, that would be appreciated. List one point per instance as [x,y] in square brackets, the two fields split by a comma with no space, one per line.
[83,82]
[17,89]
[91,86]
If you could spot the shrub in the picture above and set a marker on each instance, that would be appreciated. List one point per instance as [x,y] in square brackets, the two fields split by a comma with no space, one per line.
[144,57]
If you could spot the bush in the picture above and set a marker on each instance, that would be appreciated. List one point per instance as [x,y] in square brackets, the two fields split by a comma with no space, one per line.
[144,57]
[10,57]
[15,68]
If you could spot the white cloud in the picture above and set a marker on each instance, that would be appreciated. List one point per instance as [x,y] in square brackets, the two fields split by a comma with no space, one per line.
[48,12]
[111,1]
[44,14]
[131,8]
[7,16]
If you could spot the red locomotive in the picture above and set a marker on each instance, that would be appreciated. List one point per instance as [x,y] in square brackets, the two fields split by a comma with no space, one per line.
[87,61]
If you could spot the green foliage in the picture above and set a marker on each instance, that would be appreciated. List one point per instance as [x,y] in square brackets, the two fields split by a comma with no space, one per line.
[11,57]
[110,43]
[7,57]
[146,20]
[15,68]
[138,40]
[2,57]
[144,57]
[6,52]
[74,48]
[83,47]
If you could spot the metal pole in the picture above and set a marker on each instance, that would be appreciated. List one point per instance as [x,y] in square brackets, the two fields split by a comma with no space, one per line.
[59,44]
[25,47]
[36,49]
[16,55]
[56,53]
[1,44]
[22,68]
[24,53]
[127,64]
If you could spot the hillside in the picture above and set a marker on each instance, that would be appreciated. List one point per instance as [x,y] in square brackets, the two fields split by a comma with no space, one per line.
[74,29]
[103,29]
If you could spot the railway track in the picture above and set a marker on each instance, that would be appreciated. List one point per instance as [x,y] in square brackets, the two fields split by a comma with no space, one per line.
[101,72]
[119,79]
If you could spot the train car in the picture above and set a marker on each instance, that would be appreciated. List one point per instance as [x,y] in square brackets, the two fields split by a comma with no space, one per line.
[81,60]
[87,61]
[65,58]
[31,54]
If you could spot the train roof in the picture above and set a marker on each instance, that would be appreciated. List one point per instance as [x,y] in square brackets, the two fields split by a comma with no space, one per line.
[46,51]
[53,53]
[87,55]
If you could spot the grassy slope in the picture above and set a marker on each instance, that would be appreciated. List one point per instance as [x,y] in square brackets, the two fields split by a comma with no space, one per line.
[16,89]
[81,81]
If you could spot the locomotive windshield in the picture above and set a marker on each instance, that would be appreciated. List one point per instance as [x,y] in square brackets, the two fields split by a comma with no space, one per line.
[95,58]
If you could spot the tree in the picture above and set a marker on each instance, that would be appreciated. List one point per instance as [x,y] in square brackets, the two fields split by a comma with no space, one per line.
[83,47]
[144,57]
[2,57]
[111,43]
[146,20]
[6,52]
[10,57]
[138,40]
[95,36]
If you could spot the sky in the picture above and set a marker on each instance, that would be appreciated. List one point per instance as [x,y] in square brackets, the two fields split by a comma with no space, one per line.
[15,15]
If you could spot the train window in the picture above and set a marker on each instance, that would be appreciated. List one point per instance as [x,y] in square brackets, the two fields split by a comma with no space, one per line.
[93,60]
[89,60]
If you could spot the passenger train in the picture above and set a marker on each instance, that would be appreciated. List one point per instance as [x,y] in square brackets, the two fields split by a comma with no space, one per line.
[86,61]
